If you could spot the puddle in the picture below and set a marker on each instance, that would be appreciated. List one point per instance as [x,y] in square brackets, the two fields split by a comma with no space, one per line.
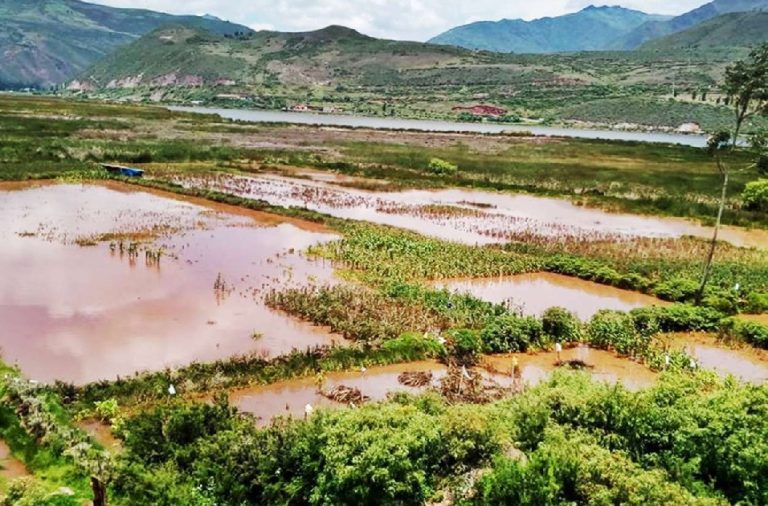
[744,363]
[535,293]
[82,314]
[10,467]
[461,215]
[607,367]
[289,398]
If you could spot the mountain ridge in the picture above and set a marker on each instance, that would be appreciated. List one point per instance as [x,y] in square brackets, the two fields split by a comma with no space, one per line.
[736,29]
[591,28]
[657,29]
[46,42]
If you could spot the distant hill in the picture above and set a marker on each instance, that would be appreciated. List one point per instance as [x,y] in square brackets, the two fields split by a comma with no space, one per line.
[656,29]
[593,28]
[45,42]
[738,29]
[183,56]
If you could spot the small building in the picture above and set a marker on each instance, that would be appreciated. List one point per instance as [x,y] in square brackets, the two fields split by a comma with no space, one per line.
[300,108]
[689,128]
[119,170]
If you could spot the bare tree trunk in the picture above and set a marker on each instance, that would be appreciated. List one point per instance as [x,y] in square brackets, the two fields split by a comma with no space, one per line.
[713,245]
[99,492]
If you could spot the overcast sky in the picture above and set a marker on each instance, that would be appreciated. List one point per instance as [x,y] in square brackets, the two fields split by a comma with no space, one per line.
[396,19]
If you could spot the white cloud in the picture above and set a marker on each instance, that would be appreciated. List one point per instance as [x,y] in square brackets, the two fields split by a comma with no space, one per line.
[397,19]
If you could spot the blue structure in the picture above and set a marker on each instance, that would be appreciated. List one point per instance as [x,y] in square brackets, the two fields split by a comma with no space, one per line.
[119,170]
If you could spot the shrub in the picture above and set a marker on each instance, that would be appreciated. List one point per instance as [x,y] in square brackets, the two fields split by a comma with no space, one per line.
[561,325]
[675,318]
[614,330]
[750,332]
[677,289]
[510,333]
[757,302]
[755,195]
[442,168]
[464,346]
[107,410]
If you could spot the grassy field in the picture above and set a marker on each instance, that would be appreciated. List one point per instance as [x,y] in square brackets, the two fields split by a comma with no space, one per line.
[45,137]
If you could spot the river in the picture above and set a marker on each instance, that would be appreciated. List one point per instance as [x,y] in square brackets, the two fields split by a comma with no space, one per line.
[259,116]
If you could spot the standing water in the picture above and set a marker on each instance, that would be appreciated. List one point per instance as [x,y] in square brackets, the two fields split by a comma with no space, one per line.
[78,305]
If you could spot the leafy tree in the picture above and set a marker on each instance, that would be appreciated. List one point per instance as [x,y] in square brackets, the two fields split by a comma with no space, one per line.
[746,85]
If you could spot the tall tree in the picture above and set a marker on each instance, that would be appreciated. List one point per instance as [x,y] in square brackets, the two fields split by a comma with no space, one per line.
[746,86]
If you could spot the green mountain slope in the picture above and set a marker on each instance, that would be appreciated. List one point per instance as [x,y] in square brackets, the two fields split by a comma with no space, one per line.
[657,29]
[340,69]
[45,42]
[593,28]
[739,29]
[181,55]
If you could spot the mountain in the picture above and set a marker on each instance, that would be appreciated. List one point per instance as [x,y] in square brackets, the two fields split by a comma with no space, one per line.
[739,29]
[45,42]
[593,28]
[656,29]
[184,56]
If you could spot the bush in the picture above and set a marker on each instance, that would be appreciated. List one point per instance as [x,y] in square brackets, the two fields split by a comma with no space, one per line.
[677,290]
[510,333]
[614,330]
[675,318]
[750,332]
[561,325]
[464,346]
[755,195]
[442,168]
[757,302]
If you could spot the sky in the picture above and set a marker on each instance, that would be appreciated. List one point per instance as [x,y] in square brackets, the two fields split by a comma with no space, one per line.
[393,19]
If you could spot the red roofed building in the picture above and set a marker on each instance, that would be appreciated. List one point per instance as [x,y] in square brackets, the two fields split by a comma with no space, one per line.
[483,110]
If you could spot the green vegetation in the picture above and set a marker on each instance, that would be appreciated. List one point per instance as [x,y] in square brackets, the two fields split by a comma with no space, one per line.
[755,195]
[567,441]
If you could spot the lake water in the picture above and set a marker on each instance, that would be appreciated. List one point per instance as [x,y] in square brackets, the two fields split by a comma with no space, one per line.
[258,116]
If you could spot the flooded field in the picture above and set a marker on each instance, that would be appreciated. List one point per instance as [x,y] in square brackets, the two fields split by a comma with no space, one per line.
[10,467]
[467,216]
[289,398]
[744,363]
[100,281]
[532,294]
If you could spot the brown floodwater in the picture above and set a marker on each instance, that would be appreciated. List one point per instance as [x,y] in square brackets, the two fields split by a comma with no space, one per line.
[289,398]
[463,215]
[744,363]
[10,467]
[532,294]
[86,313]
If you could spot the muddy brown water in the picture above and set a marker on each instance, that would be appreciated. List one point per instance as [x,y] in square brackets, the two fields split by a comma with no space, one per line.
[532,294]
[467,216]
[289,398]
[10,467]
[80,314]
[742,362]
